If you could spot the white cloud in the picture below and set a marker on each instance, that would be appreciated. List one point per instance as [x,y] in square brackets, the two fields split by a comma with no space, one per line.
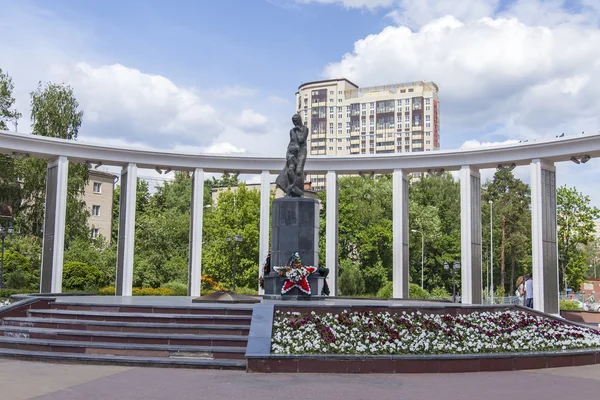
[250,119]
[494,74]
[475,144]
[415,13]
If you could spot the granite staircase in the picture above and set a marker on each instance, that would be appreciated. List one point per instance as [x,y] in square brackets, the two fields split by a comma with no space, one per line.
[199,336]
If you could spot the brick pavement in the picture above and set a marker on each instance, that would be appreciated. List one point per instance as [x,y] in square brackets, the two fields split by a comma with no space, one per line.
[22,380]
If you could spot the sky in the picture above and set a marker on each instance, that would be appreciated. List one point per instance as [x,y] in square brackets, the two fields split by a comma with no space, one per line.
[221,76]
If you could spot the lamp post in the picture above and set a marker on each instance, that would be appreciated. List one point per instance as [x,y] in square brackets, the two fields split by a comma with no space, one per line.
[491,254]
[454,267]
[3,234]
[235,239]
[422,253]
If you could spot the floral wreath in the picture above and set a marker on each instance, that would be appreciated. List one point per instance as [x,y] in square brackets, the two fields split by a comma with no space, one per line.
[295,273]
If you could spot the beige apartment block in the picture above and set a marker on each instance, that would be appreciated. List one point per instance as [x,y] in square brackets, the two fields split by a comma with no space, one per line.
[98,197]
[345,119]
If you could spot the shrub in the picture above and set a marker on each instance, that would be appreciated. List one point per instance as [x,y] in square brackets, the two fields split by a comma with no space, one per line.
[440,293]
[351,281]
[415,292]
[178,288]
[386,291]
[106,291]
[6,293]
[152,292]
[569,305]
[245,290]
[79,276]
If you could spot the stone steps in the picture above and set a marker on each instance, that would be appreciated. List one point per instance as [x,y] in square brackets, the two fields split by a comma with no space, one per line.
[123,360]
[122,349]
[119,326]
[143,317]
[205,336]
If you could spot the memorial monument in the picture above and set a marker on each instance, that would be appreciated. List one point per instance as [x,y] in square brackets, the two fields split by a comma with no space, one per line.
[294,228]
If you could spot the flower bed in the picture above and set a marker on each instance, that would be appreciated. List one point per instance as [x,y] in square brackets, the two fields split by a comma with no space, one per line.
[416,333]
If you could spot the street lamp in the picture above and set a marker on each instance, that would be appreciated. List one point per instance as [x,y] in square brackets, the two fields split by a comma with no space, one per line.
[3,234]
[422,252]
[455,266]
[235,239]
[491,254]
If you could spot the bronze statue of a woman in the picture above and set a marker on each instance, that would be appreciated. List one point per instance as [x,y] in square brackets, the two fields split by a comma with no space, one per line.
[291,178]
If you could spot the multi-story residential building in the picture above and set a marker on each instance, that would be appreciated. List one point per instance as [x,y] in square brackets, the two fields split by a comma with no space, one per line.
[345,119]
[98,197]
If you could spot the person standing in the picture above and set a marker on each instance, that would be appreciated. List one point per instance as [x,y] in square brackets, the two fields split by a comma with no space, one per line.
[528,291]
[520,292]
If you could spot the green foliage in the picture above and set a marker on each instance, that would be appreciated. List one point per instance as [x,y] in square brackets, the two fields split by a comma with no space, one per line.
[243,290]
[177,288]
[106,291]
[440,293]
[512,199]
[576,228]
[6,293]
[386,291]
[6,101]
[236,212]
[415,292]
[569,305]
[17,273]
[78,276]
[351,281]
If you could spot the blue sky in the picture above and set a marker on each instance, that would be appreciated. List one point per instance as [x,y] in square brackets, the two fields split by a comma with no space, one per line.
[220,76]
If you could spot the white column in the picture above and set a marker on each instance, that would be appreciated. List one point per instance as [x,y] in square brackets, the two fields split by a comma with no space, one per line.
[544,237]
[126,236]
[400,228]
[265,199]
[53,246]
[331,231]
[196,214]
[470,235]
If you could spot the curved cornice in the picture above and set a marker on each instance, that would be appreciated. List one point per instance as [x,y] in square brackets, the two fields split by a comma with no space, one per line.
[555,150]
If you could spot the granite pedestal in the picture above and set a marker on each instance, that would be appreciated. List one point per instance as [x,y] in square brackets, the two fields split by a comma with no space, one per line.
[294,228]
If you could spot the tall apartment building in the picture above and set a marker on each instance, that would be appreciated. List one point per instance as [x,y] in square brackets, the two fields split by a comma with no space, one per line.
[345,119]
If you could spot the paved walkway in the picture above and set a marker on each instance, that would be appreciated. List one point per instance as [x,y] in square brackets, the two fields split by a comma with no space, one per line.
[21,380]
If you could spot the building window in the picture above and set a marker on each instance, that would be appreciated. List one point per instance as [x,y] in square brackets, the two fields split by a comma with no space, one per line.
[340,116]
[96,211]
[340,100]
[363,106]
[427,108]
[339,124]
[330,140]
[331,125]
[330,116]
[340,148]
[340,92]
[339,140]
[371,105]
[427,101]
[427,133]
[427,118]
[400,102]
[406,118]
[407,126]
[95,233]
[428,142]
[411,90]
[407,108]
[331,109]
[331,100]
[348,130]
[331,92]
[331,148]
[348,115]
[428,125]
[97,187]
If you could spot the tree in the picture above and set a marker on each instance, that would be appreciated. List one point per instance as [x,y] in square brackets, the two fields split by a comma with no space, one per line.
[512,225]
[576,228]
[10,190]
[6,102]
[54,113]
[237,211]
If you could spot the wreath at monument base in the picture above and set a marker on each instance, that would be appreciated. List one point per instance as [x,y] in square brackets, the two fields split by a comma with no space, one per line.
[296,274]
